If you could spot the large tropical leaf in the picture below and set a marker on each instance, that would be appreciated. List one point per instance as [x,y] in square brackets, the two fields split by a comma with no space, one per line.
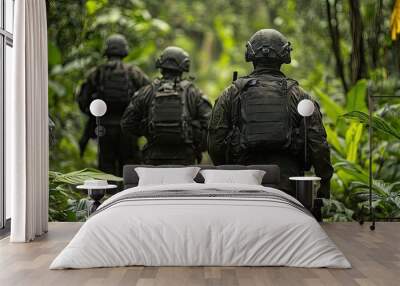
[334,140]
[353,138]
[332,109]
[378,124]
[352,171]
[78,177]
[356,97]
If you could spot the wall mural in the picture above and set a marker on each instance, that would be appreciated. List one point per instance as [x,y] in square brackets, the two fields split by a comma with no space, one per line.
[137,82]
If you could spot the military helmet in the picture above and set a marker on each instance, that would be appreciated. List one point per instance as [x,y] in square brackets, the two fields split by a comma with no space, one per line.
[116,45]
[174,58]
[268,44]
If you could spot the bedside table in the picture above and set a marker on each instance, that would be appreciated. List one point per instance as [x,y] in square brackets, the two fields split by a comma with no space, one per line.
[96,193]
[305,190]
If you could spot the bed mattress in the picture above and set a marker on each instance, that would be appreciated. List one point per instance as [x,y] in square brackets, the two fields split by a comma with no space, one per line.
[201,225]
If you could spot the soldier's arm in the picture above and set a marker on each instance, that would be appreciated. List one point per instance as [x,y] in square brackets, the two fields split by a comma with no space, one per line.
[85,92]
[134,119]
[318,149]
[219,126]
[320,152]
[203,114]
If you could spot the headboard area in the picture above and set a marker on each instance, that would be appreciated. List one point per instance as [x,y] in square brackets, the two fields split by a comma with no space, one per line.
[271,177]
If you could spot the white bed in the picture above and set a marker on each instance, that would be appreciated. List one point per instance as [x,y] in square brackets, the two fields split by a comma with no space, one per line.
[185,230]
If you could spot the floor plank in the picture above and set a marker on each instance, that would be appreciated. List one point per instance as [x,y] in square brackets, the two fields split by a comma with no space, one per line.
[375,257]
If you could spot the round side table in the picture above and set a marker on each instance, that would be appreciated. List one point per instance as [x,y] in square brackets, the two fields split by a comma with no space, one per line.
[304,190]
[96,193]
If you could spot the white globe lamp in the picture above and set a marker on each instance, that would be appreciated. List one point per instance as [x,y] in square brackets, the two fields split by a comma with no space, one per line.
[305,107]
[98,108]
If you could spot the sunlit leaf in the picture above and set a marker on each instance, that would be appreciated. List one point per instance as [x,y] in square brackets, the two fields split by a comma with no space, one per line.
[395,21]
[334,140]
[353,137]
[356,97]
[332,109]
[92,6]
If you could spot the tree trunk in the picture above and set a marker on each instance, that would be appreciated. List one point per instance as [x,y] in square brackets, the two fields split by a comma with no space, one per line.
[333,25]
[374,33]
[357,62]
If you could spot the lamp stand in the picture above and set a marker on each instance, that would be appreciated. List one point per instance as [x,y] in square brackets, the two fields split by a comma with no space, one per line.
[305,143]
[100,131]
[370,179]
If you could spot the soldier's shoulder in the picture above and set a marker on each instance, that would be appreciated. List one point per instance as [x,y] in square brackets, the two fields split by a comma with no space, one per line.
[145,91]
[240,83]
[227,95]
[188,83]
[149,87]
[133,69]
[298,93]
[93,71]
[296,89]
[233,89]
[292,83]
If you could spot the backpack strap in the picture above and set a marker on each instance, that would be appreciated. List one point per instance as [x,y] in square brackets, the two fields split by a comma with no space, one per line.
[240,84]
[155,85]
[127,78]
[186,117]
[185,85]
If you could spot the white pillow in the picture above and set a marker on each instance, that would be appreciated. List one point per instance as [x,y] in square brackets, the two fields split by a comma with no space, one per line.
[248,177]
[166,176]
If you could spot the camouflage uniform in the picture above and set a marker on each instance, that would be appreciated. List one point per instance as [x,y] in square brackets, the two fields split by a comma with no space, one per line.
[291,159]
[117,149]
[136,119]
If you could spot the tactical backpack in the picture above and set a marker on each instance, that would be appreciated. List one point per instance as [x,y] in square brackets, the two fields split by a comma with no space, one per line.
[261,117]
[115,87]
[169,117]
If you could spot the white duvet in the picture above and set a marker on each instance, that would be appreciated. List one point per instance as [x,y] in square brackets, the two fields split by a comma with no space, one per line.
[200,231]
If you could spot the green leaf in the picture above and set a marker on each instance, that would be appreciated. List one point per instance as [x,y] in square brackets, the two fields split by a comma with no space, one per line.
[78,177]
[332,109]
[378,124]
[356,97]
[92,6]
[334,140]
[353,170]
[353,138]
[54,54]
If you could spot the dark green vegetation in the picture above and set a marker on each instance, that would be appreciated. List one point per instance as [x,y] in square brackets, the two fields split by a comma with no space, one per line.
[66,204]
[340,47]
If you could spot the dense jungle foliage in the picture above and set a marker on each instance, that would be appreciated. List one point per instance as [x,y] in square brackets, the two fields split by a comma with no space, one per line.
[342,48]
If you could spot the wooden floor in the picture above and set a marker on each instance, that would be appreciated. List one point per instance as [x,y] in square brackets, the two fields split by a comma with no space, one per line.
[375,257]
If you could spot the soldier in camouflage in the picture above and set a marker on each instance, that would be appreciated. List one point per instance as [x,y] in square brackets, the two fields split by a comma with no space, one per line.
[255,120]
[114,82]
[171,112]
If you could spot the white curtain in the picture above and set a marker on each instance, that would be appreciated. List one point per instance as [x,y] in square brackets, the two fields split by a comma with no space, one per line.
[27,124]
